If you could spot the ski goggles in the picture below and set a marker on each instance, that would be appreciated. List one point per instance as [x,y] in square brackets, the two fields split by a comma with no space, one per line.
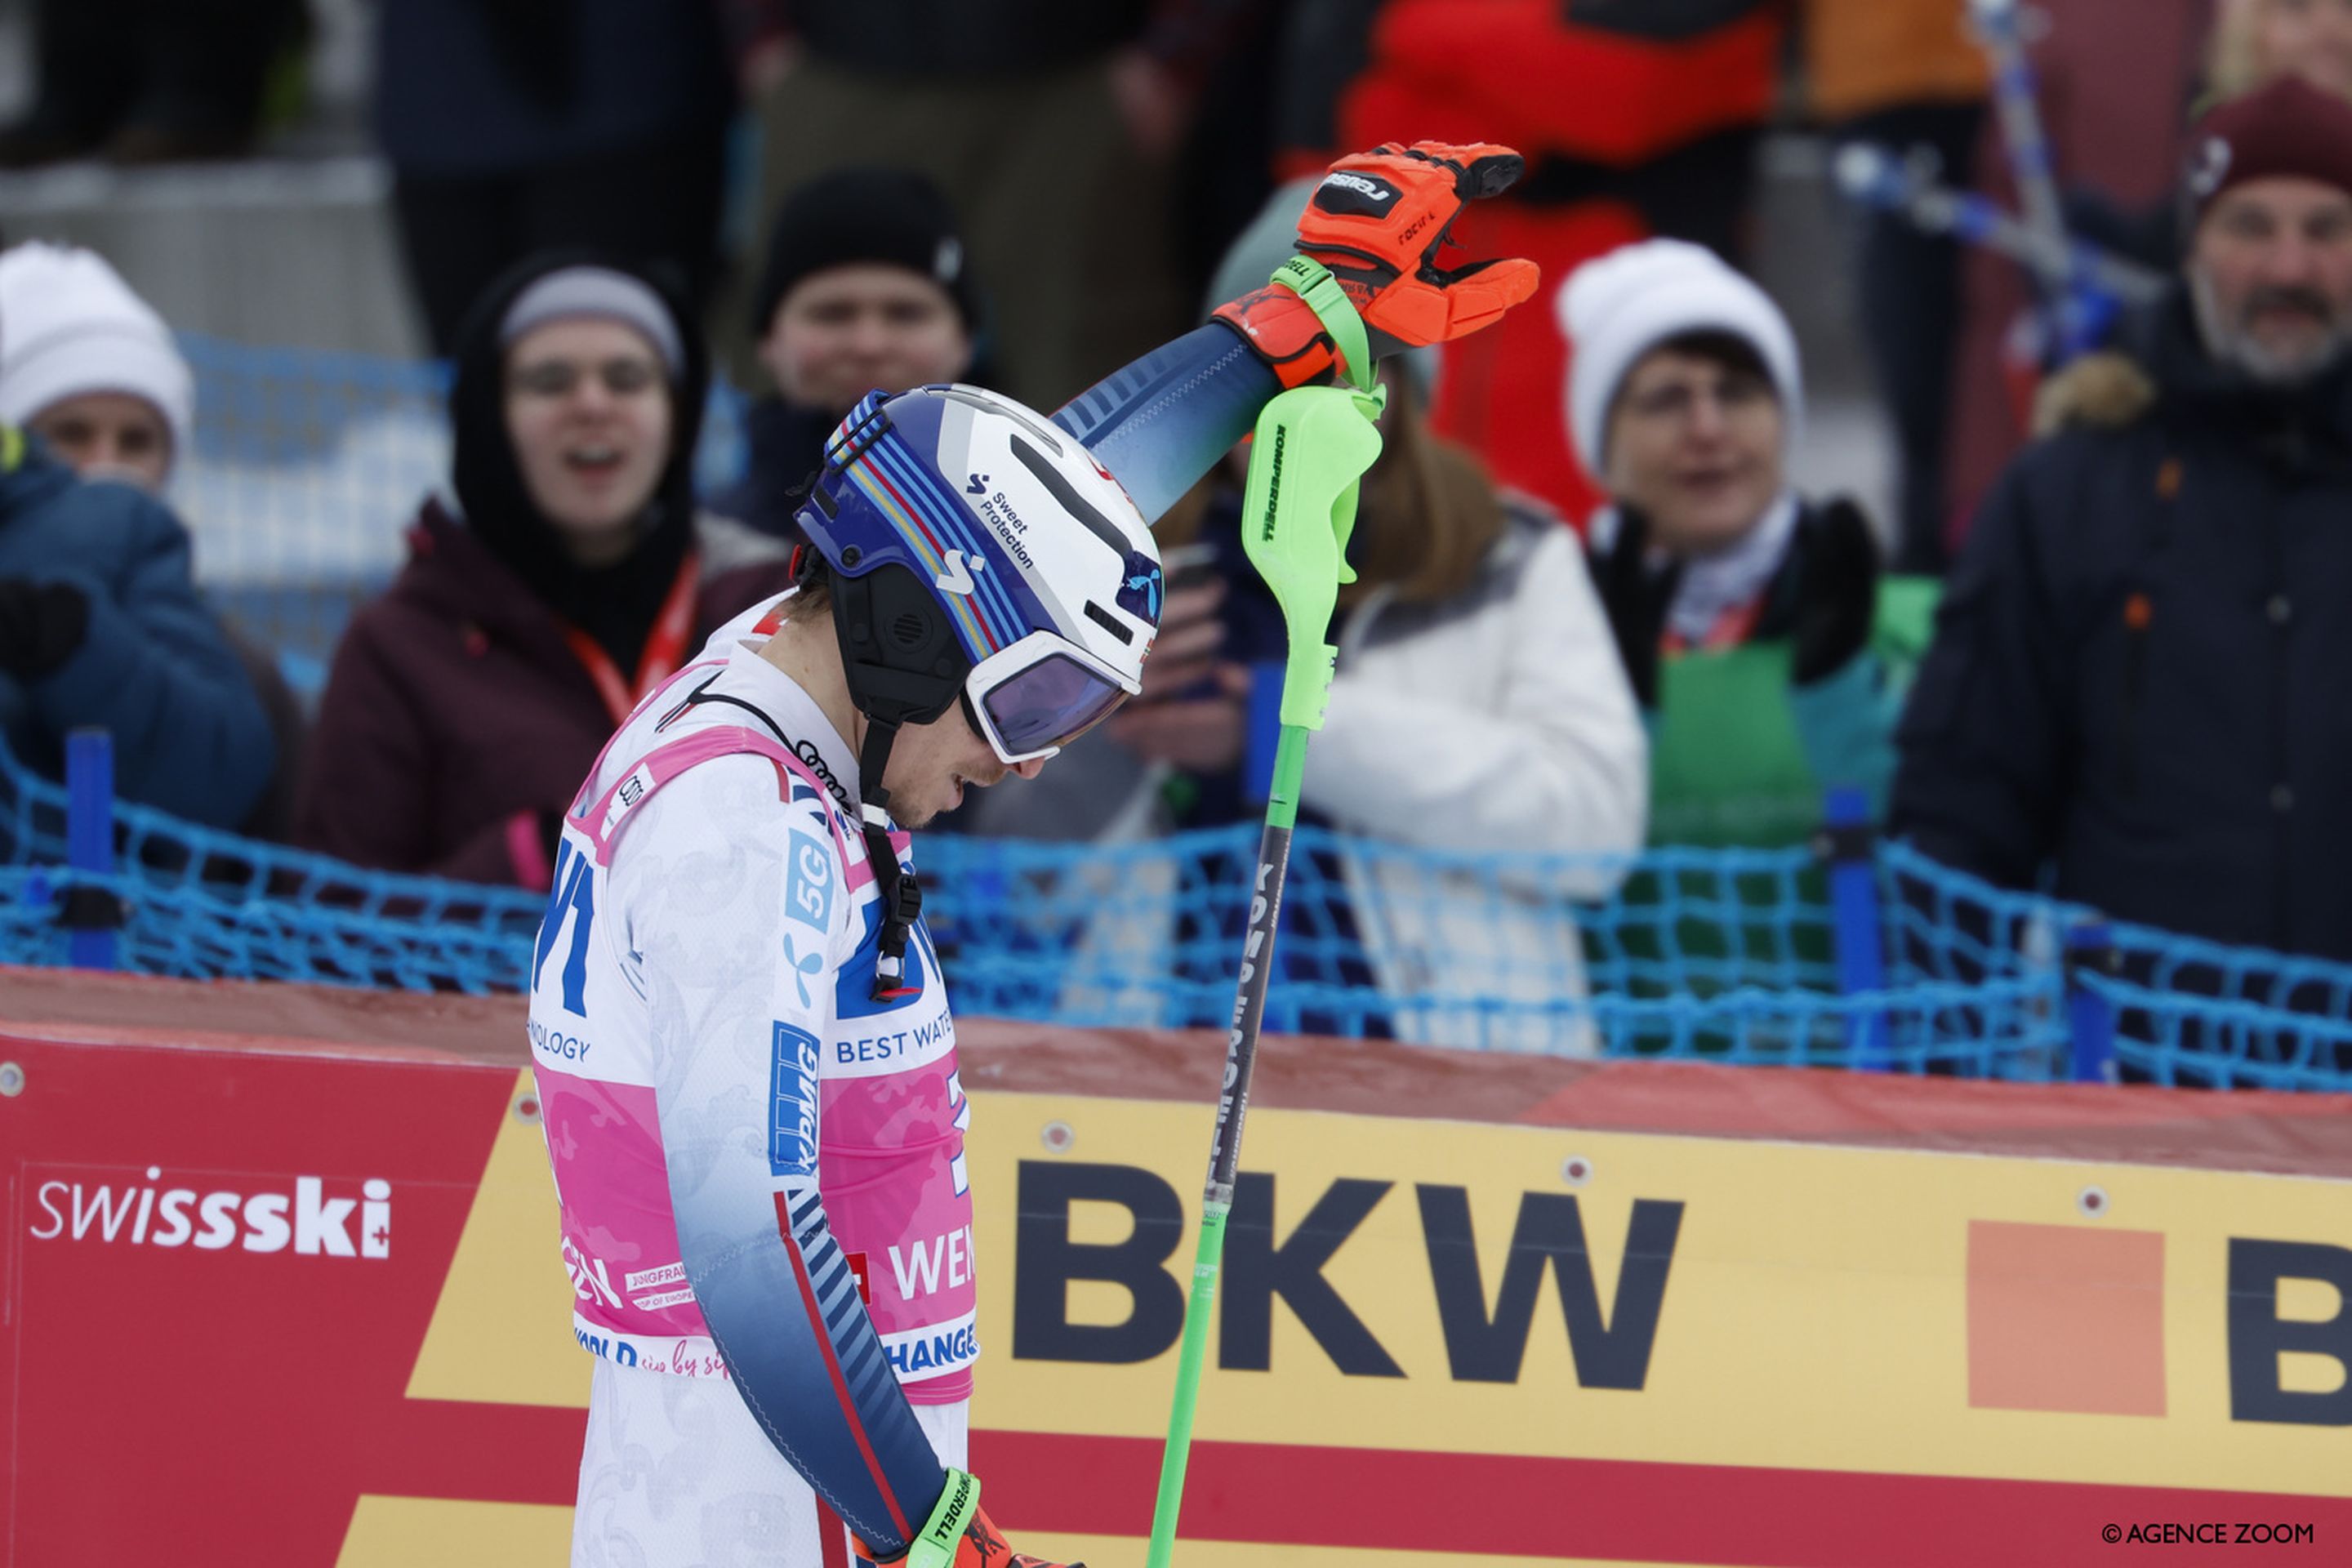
[1031,699]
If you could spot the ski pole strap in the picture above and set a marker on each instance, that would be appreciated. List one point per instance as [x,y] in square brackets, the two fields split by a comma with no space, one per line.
[935,1546]
[1312,447]
[1313,282]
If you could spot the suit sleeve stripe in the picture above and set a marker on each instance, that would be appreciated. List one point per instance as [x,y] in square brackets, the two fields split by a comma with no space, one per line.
[840,1387]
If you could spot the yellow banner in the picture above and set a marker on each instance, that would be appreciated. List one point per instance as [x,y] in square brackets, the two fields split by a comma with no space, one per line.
[1687,1299]
[1447,1288]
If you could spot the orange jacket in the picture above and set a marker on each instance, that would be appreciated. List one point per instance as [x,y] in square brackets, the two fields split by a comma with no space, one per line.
[1864,55]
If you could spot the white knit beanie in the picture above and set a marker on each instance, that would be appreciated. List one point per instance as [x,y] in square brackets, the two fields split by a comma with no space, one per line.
[71,326]
[1616,308]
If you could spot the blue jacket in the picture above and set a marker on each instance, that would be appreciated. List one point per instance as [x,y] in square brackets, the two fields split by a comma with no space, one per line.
[190,736]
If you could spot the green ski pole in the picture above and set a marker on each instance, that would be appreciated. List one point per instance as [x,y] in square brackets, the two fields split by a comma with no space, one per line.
[1312,447]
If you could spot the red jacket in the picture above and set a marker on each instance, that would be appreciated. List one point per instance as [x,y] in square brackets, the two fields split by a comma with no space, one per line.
[1615,82]
[1636,118]
[457,714]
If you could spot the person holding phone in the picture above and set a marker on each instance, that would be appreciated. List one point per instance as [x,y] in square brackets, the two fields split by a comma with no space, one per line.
[1479,708]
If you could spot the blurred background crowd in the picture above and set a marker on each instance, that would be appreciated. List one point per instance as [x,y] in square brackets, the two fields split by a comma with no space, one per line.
[1949,403]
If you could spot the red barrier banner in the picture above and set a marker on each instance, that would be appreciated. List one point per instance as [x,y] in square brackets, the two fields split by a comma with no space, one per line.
[221,1268]
[281,1285]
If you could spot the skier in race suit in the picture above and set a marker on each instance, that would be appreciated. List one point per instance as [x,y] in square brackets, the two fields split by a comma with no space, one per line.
[743,1046]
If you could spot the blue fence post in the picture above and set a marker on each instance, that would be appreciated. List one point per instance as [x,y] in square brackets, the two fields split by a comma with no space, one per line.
[1848,843]
[92,915]
[2090,1016]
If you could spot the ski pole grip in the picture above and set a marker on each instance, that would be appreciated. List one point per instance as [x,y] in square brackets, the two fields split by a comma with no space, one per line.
[1312,447]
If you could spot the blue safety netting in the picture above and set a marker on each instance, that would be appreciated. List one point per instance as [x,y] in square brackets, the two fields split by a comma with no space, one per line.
[1728,955]
[205,905]
[1717,954]
[2202,1014]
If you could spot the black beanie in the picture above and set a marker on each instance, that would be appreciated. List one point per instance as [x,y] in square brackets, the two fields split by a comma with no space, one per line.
[894,216]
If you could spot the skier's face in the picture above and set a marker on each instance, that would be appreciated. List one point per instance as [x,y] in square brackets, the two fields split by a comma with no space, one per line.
[844,331]
[108,435]
[2270,273]
[588,409]
[930,765]
[1694,444]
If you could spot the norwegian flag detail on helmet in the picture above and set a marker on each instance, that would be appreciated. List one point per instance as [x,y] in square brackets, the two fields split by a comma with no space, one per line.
[1138,593]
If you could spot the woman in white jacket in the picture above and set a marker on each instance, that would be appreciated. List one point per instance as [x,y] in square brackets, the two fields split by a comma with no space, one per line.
[1480,711]
[1479,715]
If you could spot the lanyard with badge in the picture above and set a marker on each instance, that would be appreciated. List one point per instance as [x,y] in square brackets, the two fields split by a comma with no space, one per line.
[664,649]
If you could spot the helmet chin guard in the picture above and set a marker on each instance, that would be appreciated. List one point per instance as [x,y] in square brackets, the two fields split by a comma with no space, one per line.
[903,667]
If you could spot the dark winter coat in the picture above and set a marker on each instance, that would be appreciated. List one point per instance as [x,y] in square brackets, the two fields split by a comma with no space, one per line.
[457,720]
[153,667]
[468,88]
[897,40]
[2140,673]
[787,446]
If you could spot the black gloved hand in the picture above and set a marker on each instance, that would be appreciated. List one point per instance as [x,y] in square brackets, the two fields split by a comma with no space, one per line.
[42,624]
[1637,598]
[1837,591]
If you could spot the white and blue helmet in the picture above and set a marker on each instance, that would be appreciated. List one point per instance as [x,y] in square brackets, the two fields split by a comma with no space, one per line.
[1028,583]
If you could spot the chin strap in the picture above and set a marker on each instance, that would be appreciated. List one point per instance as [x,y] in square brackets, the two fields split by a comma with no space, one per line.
[902,894]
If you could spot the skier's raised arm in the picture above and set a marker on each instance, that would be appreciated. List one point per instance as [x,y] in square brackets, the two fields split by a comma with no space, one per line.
[1376,224]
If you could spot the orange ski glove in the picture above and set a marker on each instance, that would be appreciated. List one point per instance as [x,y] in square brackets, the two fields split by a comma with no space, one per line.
[1376,222]
[959,1535]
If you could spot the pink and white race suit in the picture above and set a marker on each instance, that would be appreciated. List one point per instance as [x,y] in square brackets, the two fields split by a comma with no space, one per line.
[745,1143]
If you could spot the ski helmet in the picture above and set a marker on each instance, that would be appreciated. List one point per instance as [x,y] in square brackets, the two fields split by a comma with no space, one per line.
[975,553]
[1026,583]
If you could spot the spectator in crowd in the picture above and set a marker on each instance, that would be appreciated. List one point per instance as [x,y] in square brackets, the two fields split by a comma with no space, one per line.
[1224,164]
[1050,123]
[152,81]
[2139,672]
[1907,76]
[88,367]
[529,124]
[1751,620]
[2254,41]
[101,625]
[1478,707]
[1635,118]
[866,286]
[2116,81]
[565,576]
